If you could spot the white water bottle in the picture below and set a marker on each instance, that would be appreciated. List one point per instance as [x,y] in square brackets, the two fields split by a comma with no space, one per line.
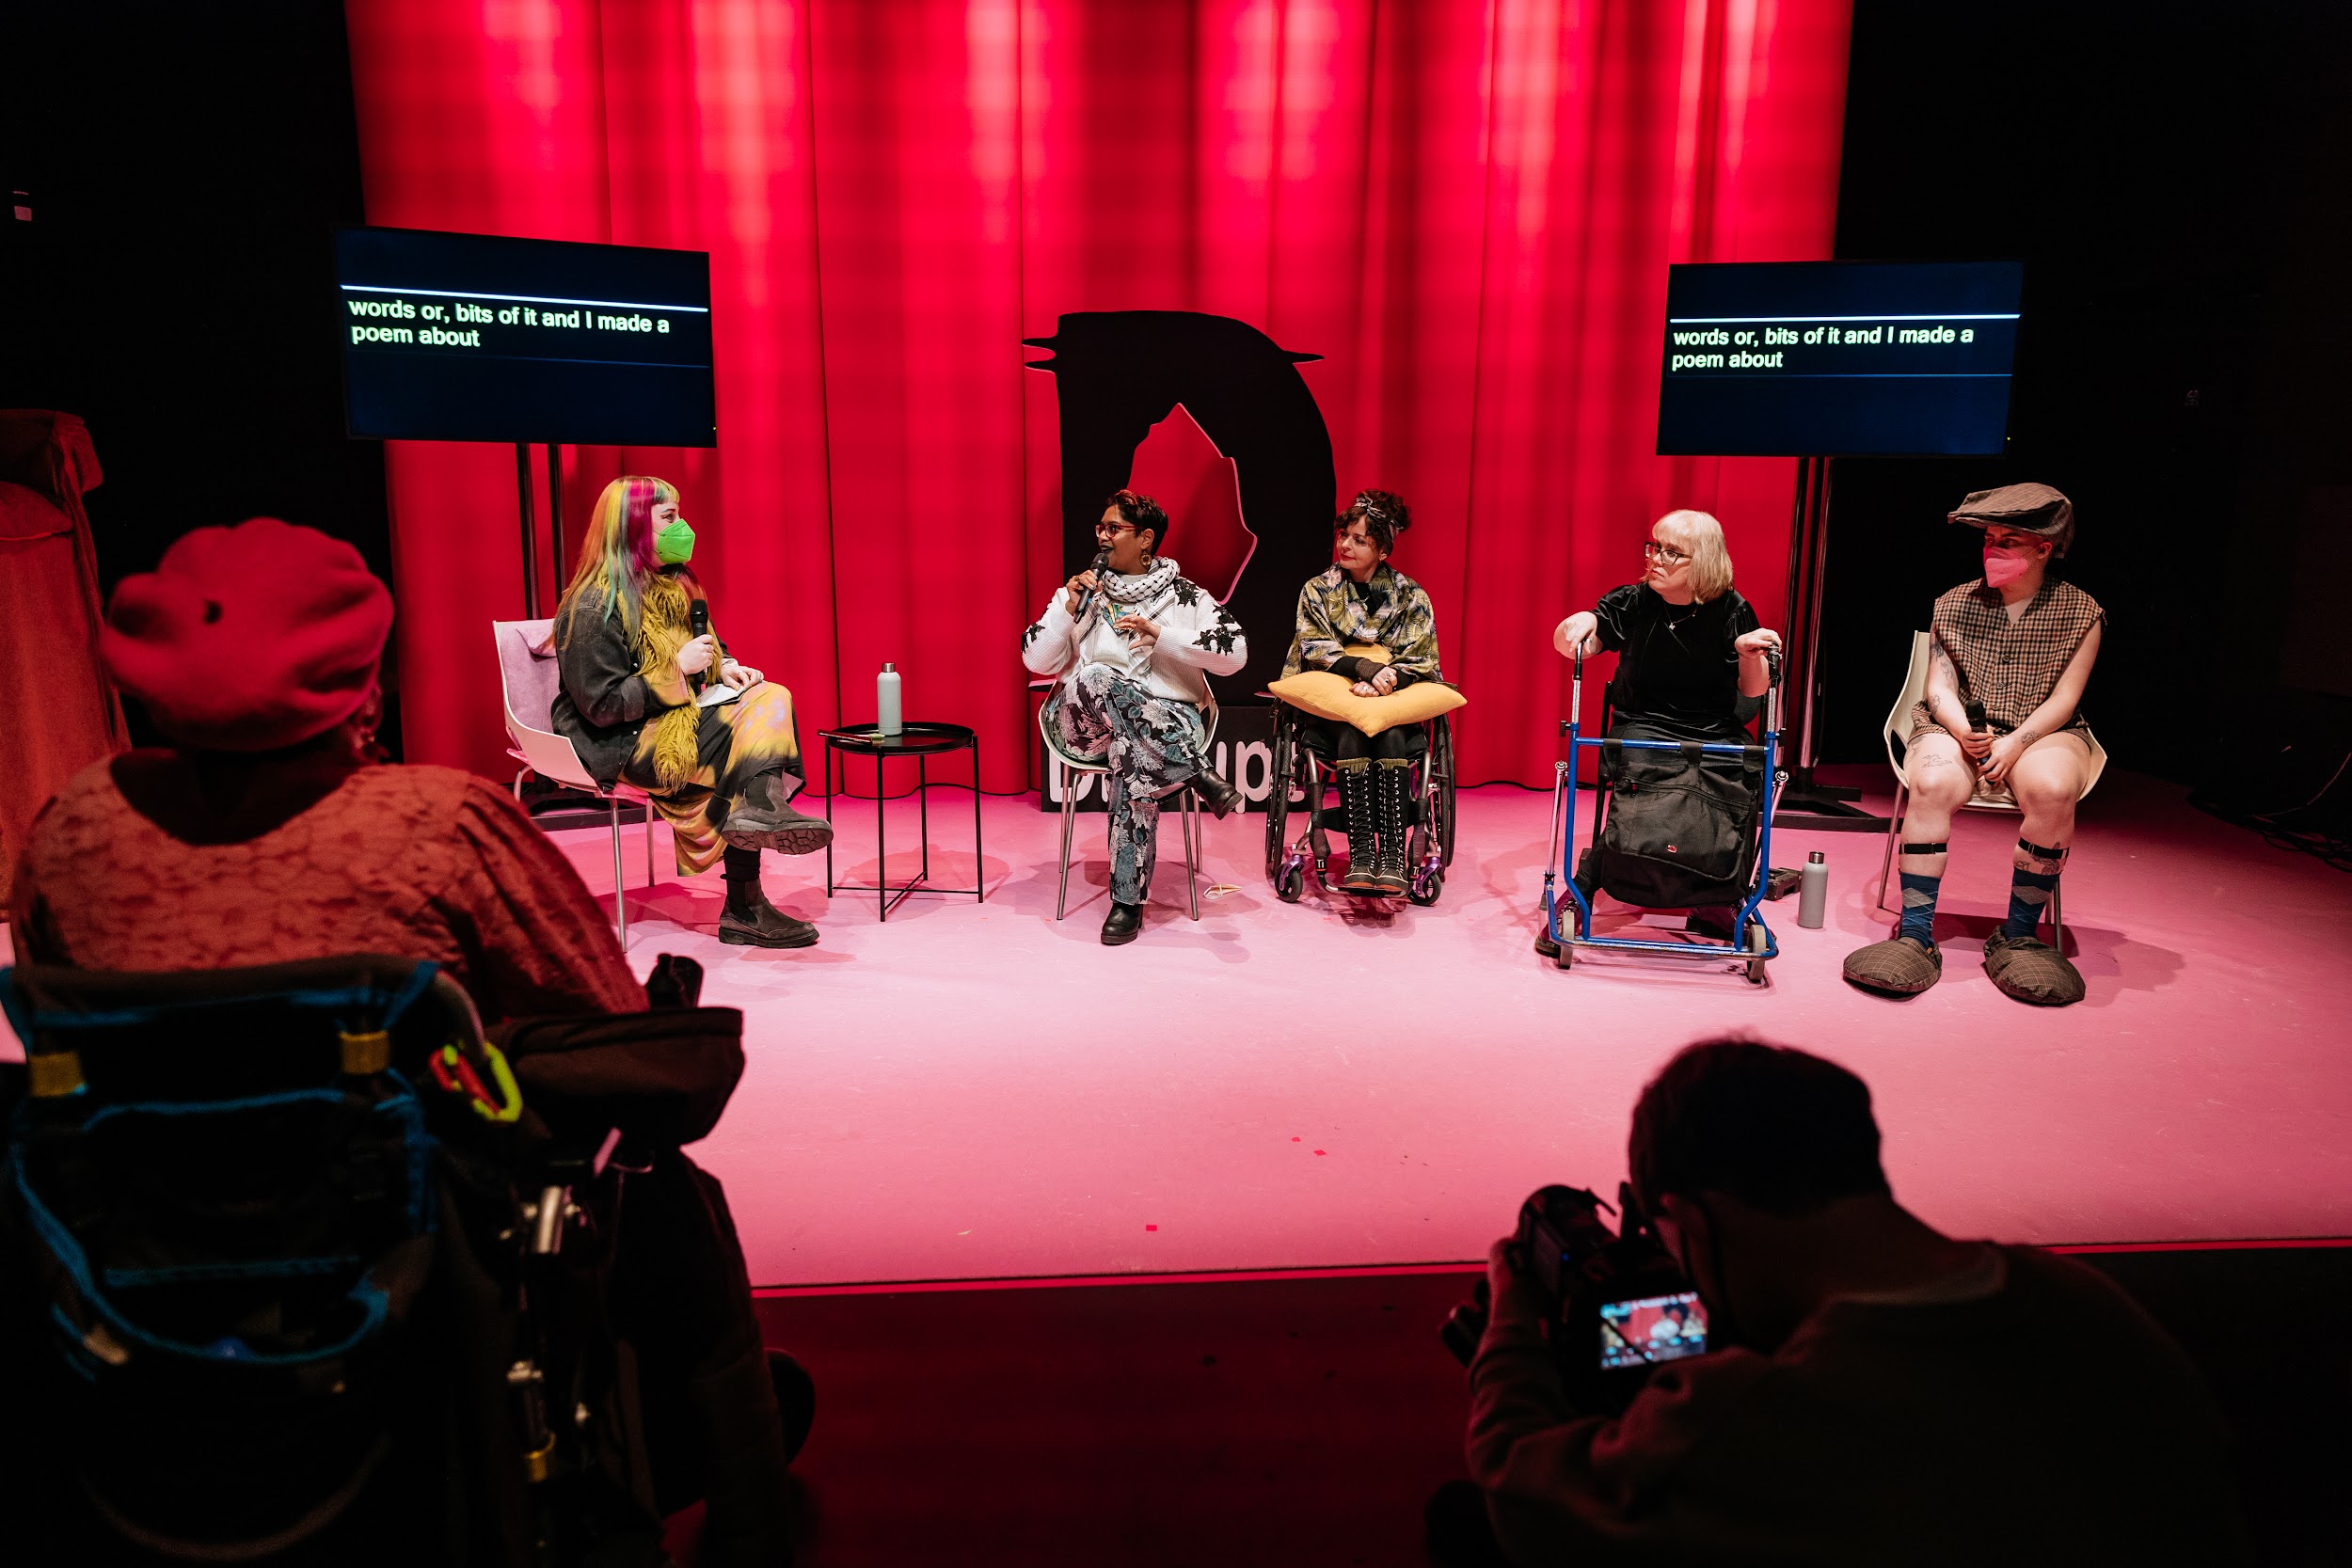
[889,719]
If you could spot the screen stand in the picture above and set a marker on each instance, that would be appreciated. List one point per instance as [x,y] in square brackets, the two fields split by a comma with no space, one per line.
[561,572]
[531,533]
[1806,804]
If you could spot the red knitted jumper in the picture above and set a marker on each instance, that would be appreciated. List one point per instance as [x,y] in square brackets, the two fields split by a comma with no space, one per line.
[425,862]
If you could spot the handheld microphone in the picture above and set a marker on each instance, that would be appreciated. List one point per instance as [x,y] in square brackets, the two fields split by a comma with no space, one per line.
[1101,564]
[1974,710]
[698,623]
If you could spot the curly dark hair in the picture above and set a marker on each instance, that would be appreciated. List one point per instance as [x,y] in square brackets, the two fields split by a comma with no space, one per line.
[1777,1127]
[1141,513]
[1384,517]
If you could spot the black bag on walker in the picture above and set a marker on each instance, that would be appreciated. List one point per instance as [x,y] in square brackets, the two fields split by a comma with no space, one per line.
[1681,828]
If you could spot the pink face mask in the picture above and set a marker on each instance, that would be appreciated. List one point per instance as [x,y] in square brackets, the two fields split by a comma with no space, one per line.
[2005,566]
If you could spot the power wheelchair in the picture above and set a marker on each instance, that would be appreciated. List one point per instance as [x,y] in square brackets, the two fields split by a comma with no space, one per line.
[290,1273]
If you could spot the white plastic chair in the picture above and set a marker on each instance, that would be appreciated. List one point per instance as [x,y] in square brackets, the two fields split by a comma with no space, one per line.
[1897,734]
[527,681]
[1069,767]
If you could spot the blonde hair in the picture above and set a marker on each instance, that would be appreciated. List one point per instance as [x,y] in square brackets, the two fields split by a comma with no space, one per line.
[1701,537]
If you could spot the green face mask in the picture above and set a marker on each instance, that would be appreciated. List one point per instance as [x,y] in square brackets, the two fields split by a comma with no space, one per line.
[675,545]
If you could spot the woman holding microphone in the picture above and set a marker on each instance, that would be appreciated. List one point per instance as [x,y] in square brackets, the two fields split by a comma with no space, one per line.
[1135,643]
[635,647]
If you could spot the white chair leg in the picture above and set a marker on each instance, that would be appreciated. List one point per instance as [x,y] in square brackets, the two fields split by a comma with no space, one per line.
[1894,831]
[1069,823]
[620,885]
[1190,822]
[520,775]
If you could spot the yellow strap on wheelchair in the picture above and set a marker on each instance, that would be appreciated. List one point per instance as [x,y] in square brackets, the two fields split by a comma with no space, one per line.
[509,1094]
[367,1053]
[55,1074]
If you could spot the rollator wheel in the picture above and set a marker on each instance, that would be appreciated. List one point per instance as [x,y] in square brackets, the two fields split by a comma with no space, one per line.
[1757,939]
[1290,882]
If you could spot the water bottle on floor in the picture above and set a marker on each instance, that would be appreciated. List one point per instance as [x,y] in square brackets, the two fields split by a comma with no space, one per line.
[1813,892]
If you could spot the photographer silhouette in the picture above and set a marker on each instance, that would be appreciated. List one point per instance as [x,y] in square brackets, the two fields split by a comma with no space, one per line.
[1874,1392]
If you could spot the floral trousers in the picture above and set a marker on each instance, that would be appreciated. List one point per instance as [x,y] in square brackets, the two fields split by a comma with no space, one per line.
[1153,745]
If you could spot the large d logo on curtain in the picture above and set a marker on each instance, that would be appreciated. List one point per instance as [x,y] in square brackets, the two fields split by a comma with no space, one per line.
[1119,373]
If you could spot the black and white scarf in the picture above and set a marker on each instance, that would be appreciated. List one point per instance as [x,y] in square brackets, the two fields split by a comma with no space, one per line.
[1144,586]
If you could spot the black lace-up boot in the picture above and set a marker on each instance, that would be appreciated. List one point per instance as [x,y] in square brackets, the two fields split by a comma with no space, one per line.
[1363,825]
[1392,783]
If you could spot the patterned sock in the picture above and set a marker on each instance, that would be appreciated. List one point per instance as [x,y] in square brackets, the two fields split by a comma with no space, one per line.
[1918,919]
[2029,889]
[1919,891]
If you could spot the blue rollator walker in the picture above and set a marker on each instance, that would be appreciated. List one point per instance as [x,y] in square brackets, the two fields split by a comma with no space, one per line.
[1750,938]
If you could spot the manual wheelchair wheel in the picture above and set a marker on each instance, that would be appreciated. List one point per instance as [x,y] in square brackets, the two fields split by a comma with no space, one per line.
[1757,939]
[1290,882]
[1426,891]
[1277,804]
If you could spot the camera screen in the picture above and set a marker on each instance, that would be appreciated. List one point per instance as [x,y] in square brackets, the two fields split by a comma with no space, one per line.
[1651,1329]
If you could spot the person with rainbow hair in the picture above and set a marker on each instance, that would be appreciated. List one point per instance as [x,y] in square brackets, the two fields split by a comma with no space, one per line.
[630,654]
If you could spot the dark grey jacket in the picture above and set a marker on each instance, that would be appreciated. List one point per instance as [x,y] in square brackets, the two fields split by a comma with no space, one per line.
[603,702]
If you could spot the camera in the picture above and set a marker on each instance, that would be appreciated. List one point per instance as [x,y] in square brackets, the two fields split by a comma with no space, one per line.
[1614,1304]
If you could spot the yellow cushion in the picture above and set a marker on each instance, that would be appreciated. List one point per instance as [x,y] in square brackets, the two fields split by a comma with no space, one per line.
[1329,696]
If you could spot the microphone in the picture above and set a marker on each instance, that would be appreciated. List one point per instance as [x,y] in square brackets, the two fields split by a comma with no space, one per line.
[1101,564]
[1974,710]
[698,623]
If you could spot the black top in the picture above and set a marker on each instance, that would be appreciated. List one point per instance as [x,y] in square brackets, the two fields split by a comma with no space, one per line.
[1678,669]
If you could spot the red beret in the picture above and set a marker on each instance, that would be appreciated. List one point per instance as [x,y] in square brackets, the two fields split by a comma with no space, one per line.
[250,637]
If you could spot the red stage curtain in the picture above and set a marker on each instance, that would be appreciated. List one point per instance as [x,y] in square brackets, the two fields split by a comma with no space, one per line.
[1467,209]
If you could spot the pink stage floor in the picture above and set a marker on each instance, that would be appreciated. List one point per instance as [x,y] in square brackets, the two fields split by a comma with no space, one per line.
[973,1090]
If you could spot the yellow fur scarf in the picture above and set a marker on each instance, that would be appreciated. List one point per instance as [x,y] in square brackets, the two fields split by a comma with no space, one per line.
[662,631]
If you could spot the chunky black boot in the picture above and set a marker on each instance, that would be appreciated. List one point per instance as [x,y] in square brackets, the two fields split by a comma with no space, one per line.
[1363,829]
[767,820]
[1221,799]
[1122,925]
[1392,792]
[749,920]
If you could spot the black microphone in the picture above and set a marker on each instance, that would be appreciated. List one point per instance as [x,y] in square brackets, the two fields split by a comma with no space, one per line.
[698,623]
[1974,710]
[1101,564]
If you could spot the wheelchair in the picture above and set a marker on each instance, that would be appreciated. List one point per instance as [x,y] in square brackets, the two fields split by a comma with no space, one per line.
[293,1276]
[1429,838]
[1569,919]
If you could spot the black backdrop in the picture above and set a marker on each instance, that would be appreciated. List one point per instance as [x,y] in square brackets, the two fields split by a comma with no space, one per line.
[185,165]
[2173,176]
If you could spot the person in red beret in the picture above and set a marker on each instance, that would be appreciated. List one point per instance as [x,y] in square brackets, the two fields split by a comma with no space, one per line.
[268,832]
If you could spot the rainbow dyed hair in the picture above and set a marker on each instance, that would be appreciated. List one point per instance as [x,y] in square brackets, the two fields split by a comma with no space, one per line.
[618,555]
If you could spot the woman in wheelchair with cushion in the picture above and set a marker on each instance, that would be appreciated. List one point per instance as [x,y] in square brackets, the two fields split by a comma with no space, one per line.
[1694,664]
[1362,603]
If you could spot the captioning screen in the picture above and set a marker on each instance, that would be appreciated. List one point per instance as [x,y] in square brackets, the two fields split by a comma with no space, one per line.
[480,338]
[1827,358]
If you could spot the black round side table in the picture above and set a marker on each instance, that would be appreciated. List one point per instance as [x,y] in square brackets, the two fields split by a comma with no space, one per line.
[922,742]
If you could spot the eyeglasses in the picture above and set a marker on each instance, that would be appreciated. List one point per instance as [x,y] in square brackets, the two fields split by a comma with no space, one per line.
[1667,553]
[1114,529]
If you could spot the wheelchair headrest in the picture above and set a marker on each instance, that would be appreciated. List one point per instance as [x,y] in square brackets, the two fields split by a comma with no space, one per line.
[216,1033]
